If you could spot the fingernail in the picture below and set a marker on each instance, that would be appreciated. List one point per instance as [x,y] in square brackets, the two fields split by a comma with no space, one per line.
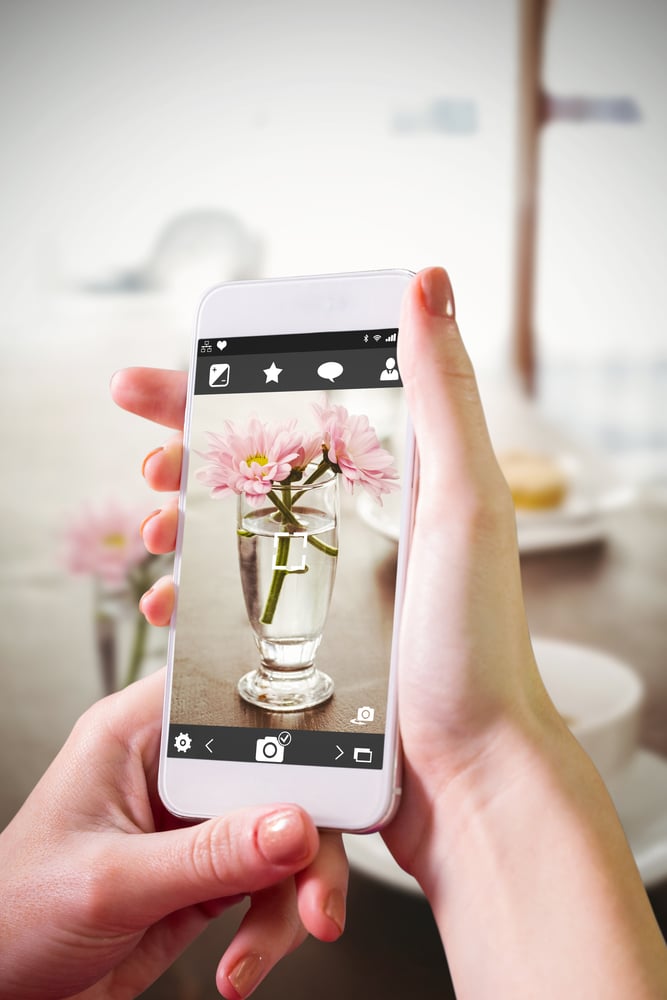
[148,518]
[335,908]
[282,837]
[437,292]
[148,458]
[247,973]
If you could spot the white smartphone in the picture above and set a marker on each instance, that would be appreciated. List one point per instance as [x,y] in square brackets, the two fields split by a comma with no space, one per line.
[295,518]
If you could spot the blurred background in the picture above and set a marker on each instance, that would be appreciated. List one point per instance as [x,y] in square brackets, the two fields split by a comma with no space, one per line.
[152,148]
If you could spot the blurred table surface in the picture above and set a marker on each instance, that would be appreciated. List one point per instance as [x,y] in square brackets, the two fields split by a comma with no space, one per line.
[612,595]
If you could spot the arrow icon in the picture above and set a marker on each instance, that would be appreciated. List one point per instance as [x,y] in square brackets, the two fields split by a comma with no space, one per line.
[208,745]
[340,753]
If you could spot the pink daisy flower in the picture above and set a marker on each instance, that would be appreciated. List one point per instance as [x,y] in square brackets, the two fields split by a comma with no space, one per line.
[352,446]
[105,543]
[252,459]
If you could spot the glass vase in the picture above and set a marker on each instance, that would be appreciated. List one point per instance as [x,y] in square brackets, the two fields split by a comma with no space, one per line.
[288,552]
[127,646]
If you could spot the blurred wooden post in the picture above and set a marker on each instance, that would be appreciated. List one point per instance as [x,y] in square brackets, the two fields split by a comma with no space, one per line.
[533,14]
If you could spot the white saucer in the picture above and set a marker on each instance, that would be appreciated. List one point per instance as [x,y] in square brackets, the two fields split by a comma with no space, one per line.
[580,521]
[639,793]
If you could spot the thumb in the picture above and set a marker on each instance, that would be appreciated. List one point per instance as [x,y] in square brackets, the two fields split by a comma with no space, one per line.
[452,438]
[236,854]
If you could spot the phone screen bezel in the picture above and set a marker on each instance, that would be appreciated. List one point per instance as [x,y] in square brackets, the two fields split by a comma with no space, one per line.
[338,798]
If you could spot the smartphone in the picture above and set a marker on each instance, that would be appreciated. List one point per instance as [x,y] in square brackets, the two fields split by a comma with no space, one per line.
[295,516]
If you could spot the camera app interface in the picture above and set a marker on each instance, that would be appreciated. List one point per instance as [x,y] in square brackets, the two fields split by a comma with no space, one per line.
[288,560]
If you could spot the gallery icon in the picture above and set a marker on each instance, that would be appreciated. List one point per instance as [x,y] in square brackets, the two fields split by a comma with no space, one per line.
[218,375]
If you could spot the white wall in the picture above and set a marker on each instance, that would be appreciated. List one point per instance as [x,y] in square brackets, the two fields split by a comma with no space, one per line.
[603,245]
[121,115]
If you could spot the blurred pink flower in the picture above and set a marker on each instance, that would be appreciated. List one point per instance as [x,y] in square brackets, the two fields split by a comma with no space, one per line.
[252,459]
[105,543]
[351,446]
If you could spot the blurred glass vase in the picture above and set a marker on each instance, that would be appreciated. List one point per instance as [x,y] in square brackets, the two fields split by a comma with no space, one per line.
[127,645]
[106,545]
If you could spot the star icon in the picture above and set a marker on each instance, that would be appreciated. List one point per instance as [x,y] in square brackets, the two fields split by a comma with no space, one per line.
[272,372]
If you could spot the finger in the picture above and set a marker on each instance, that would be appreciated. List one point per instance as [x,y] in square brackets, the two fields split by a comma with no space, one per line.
[270,930]
[157,604]
[163,942]
[162,466]
[452,437]
[242,852]
[322,889]
[158,530]
[155,393]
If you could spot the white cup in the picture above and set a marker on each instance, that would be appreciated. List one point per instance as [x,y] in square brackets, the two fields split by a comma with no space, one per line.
[599,697]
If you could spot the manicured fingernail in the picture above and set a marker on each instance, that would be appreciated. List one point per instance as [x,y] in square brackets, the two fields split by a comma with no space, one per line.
[437,292]
[247,973]
[148,458]
[282,837]
[148,518]
[335,908]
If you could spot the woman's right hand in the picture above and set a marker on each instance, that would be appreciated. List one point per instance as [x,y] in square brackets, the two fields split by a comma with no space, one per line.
[504,820]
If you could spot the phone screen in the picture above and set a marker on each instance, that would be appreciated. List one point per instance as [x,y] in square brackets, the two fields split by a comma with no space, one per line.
[287,563]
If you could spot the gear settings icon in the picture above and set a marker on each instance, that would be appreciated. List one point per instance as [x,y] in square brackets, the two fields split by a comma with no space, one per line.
[183,742]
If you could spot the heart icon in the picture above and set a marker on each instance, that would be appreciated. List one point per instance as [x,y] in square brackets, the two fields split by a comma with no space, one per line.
[221,344]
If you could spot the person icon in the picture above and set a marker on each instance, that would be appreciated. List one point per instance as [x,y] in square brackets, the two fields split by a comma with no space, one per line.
[390,373]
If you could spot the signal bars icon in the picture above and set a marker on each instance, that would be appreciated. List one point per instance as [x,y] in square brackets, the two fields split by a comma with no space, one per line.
[391,338]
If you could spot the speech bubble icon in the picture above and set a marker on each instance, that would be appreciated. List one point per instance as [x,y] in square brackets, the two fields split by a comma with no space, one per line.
[330,370]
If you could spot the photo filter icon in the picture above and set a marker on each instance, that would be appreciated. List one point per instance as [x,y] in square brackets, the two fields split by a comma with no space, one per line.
[218,376]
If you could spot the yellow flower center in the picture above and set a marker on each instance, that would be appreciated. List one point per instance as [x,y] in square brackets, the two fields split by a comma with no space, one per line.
[116,540]
[260,459]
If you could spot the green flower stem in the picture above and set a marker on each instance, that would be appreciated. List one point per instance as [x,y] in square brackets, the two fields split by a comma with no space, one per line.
[282,549]
[291,519]
[141,581]
[138,649]
[277,580]
[323,467]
